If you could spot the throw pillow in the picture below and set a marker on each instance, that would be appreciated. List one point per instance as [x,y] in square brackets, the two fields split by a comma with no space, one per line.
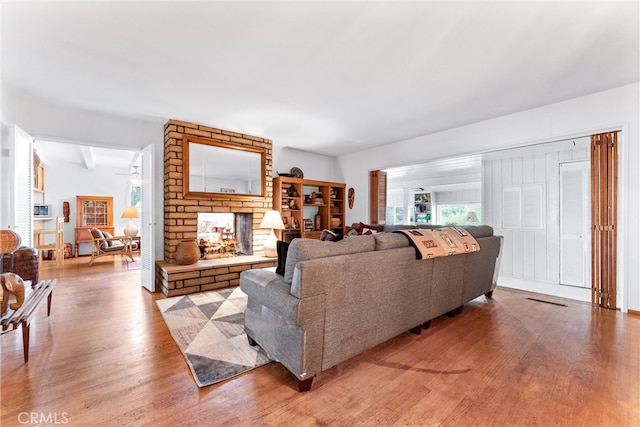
[327,235]
[330,236]
[369,229]
[98,234]
[282,248]
[352,232]
[112,243]
[108,236]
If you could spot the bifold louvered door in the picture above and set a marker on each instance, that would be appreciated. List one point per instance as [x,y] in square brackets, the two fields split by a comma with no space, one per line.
[377,196]
[604,184]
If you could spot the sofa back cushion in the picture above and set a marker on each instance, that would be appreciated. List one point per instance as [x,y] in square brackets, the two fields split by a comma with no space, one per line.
[392,228]
[476,231]
[479,231]
[390,241]
[305,249]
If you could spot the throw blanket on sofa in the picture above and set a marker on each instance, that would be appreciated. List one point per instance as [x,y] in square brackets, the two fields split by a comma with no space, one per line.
[435,242]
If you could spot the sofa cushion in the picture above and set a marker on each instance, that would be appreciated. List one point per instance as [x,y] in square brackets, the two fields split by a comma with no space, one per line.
[392,228]
[478,231]
[305,249]
[390,241]
[108,235]
[96,233]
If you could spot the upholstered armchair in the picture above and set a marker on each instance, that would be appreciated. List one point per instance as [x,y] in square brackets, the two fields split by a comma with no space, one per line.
[103,243]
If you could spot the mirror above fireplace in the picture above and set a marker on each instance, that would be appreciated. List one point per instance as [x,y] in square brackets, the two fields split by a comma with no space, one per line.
[216,169]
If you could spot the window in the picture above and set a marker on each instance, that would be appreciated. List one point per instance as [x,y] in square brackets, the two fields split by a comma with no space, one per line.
[394,215]
[135,195]
[459,214]
[395,210]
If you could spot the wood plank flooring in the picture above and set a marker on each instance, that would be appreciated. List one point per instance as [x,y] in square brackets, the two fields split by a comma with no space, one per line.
[105,358]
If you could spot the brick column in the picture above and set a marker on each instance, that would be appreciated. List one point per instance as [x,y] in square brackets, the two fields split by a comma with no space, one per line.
[180,214]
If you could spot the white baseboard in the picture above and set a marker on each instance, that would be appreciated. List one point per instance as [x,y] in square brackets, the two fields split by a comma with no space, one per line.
[563,291]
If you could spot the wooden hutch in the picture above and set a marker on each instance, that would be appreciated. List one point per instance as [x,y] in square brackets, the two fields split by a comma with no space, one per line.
[92,212]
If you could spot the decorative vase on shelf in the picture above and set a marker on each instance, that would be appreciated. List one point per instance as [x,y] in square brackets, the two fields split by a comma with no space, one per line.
[188,252]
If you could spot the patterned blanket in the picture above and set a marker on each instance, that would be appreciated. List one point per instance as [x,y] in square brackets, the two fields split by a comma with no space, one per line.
[436,242]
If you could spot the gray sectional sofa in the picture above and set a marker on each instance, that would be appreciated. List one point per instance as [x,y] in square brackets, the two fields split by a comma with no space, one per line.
[338,299]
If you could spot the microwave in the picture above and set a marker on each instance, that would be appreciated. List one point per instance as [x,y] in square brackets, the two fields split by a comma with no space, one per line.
[42,211]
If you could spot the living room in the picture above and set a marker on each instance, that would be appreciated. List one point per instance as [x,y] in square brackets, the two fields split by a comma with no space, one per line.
[470,114]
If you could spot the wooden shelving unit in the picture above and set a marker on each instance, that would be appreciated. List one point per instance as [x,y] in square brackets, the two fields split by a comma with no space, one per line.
[423,203]
[92,212]
[38,178]
[308,206]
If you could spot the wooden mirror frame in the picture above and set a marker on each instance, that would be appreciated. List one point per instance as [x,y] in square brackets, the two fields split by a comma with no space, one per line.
[187,140]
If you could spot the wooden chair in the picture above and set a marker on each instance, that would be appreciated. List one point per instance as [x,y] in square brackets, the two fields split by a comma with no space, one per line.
[57,247]
[104,243]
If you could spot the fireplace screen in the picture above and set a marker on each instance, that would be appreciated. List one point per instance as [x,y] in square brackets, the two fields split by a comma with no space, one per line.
[224,234]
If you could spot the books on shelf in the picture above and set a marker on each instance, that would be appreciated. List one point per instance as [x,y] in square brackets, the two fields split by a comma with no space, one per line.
[308,224]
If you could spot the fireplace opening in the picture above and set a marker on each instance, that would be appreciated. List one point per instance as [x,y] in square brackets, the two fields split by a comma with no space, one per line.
[223,235]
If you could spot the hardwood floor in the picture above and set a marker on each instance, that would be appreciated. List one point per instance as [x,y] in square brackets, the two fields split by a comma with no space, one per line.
[105,357]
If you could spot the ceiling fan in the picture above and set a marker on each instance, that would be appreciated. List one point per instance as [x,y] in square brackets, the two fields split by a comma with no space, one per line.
[134,174]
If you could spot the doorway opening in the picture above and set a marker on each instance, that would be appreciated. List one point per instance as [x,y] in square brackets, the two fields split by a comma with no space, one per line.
[546,227]
[72,169]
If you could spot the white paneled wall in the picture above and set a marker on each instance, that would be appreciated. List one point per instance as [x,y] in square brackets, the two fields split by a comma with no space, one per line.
[471,195]
[530,254]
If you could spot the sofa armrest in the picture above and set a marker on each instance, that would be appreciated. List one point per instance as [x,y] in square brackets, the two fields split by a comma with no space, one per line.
[268,289]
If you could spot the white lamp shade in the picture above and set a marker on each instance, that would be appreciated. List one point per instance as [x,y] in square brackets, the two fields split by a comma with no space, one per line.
[130,212]
[273,220]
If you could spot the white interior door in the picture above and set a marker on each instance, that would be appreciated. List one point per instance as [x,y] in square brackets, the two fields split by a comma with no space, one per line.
[147,222]
[574,224]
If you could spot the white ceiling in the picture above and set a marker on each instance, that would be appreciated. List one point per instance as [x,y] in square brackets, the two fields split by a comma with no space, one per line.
[466,171]
[326,77]
[117,160]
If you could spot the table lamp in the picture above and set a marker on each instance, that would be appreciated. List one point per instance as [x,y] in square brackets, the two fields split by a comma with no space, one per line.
[272,220]
[130,212]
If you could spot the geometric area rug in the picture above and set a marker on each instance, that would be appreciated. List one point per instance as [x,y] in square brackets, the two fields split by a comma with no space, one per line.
[209,330]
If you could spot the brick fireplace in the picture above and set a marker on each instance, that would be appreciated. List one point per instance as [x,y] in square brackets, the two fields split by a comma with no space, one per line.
[181,214]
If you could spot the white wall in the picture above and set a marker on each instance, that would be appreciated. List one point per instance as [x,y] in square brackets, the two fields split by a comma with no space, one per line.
[602,111]
[470,195]
[64,181]
[528,254]
[58,123]
[314,166]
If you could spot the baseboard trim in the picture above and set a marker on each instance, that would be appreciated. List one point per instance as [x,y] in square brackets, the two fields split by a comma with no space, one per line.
[634,312]
[546,288]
